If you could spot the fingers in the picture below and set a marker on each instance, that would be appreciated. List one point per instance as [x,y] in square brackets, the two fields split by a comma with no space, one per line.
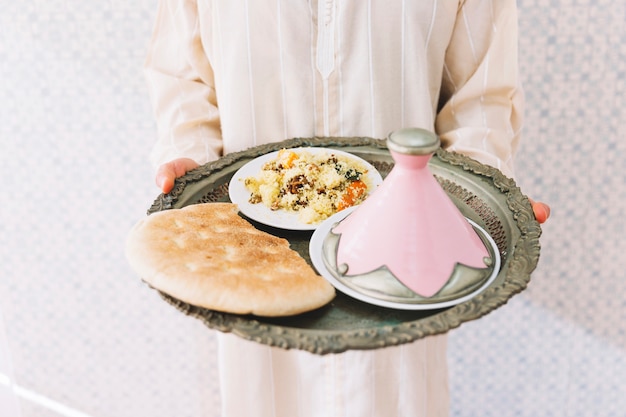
[541,210]
[168,172]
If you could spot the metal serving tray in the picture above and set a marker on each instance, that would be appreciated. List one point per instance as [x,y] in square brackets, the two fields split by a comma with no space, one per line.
[482,193]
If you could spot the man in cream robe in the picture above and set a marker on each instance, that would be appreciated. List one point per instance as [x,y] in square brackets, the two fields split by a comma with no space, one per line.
[226,75]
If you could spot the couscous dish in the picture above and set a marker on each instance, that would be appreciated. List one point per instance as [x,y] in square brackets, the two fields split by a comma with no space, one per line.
[316,185]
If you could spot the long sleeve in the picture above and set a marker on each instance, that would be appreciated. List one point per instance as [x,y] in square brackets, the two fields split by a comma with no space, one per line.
[481,99]
[181,85]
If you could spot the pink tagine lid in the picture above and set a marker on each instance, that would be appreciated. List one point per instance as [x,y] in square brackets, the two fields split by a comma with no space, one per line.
[409,236]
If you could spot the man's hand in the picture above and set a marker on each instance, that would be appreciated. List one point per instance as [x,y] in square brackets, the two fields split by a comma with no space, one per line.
[541,210]
[168,172]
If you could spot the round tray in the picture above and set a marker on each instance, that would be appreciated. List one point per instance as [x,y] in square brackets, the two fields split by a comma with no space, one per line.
[482,193]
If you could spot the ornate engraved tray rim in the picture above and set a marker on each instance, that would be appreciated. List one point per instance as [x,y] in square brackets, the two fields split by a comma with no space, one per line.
[481,192]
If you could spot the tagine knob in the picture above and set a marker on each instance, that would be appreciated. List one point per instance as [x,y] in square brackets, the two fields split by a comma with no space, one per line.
[413,141]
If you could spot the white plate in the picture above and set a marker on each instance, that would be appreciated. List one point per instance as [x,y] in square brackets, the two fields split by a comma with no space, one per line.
[282,219]
[315,251]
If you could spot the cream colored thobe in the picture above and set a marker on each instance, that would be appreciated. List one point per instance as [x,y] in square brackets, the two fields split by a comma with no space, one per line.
[226,75]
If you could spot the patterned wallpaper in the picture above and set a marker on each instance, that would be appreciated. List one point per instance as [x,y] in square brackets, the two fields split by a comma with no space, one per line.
[87,339]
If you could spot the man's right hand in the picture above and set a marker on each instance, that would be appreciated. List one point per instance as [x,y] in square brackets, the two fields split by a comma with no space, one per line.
[168,172]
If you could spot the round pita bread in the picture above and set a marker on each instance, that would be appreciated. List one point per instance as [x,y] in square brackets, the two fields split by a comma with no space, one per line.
[208,256]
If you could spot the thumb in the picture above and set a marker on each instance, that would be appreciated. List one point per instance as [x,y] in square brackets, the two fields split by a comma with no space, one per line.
[168,172]
[541,210]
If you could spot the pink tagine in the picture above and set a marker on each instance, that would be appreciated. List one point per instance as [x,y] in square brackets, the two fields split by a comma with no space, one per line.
[409,224]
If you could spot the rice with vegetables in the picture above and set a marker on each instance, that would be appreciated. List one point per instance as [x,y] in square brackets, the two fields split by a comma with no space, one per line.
[314,185]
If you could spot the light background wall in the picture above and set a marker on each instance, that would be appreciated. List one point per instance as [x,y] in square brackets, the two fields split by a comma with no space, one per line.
[81,336]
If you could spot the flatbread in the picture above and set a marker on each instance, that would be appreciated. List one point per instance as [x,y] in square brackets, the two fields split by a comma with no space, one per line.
[207,255]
